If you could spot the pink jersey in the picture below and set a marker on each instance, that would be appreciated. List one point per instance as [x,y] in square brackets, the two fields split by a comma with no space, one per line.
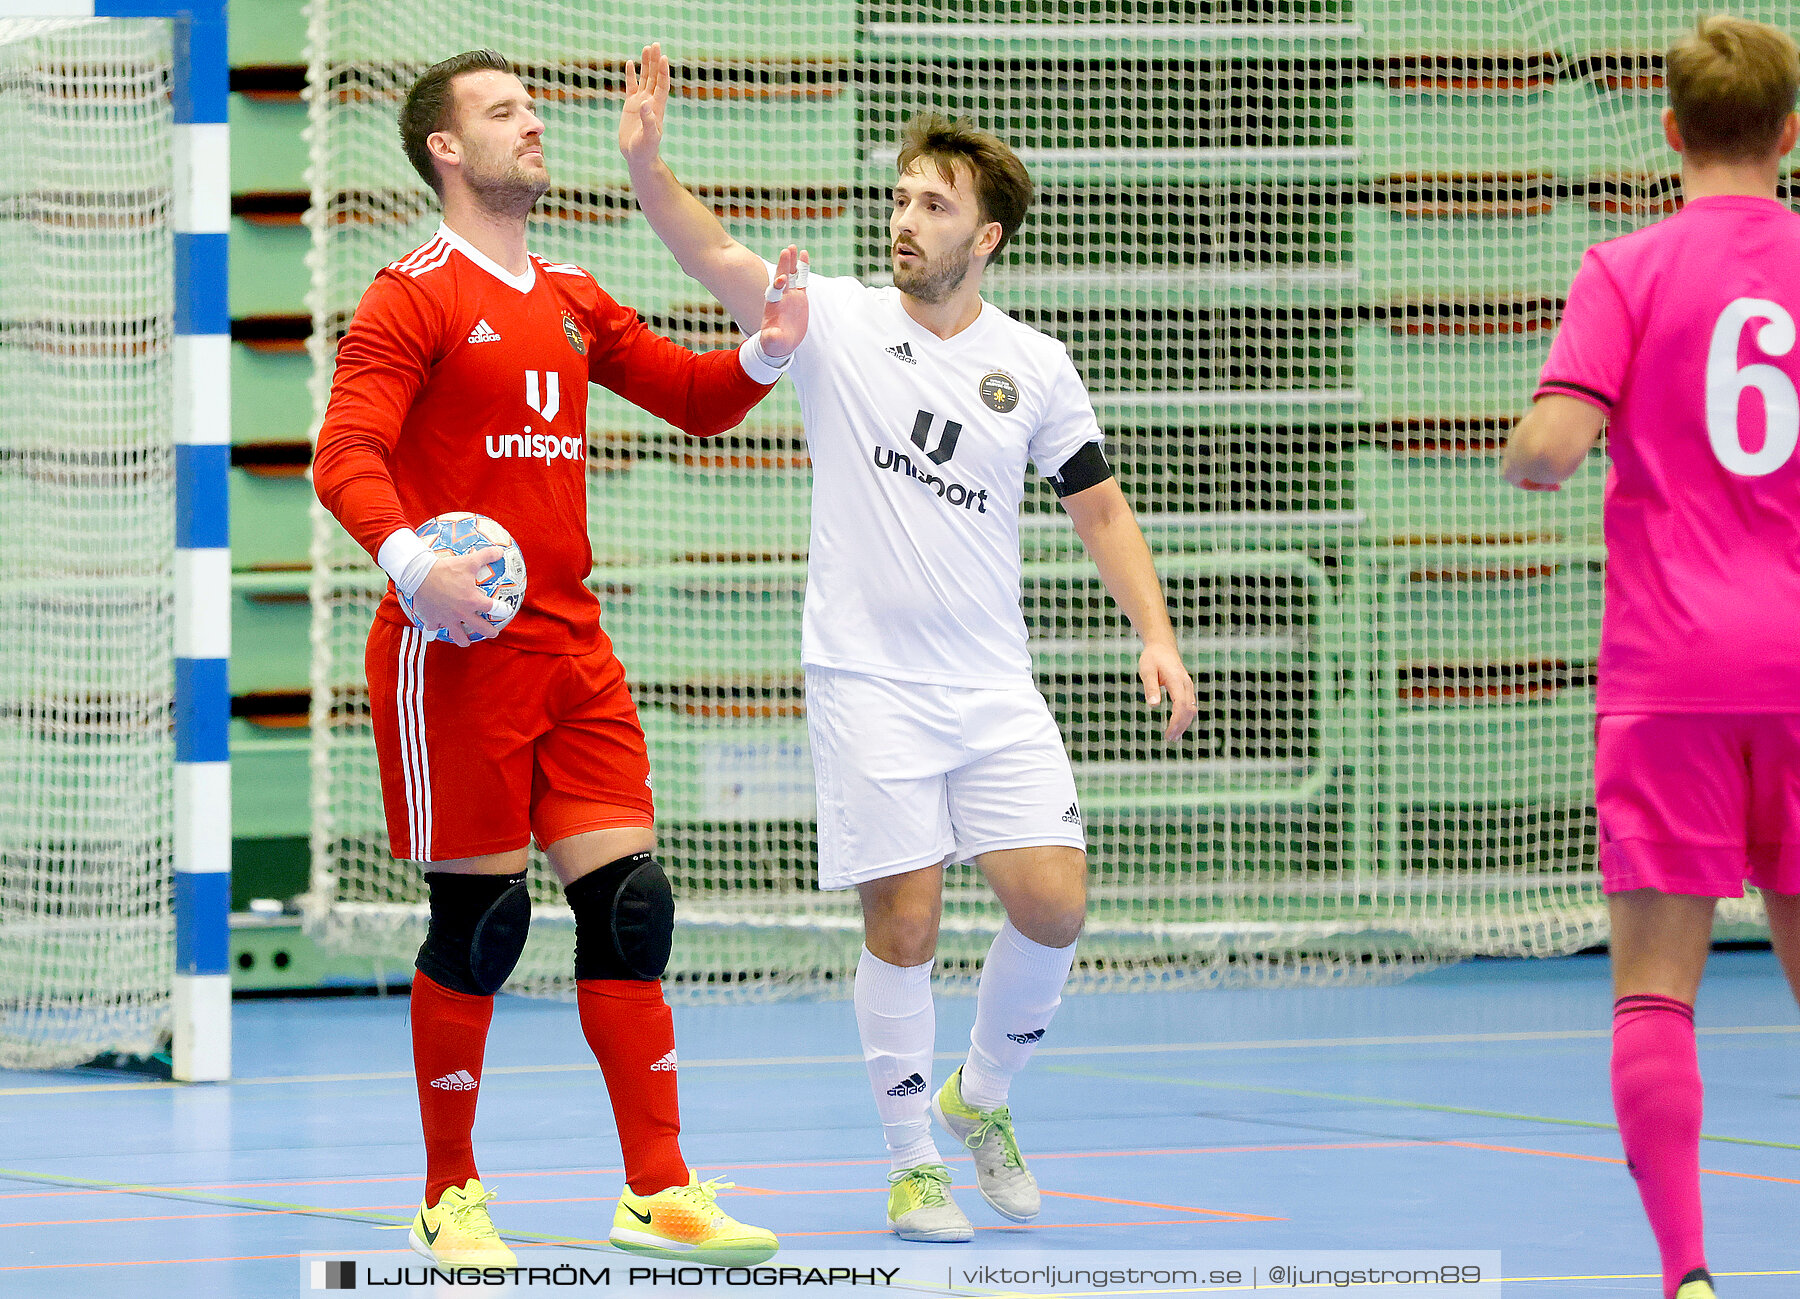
[1684,334]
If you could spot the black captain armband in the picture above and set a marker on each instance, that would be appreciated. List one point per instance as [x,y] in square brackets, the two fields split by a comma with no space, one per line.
[1086,468]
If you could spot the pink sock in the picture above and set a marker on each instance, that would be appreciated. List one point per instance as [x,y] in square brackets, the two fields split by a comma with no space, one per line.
[1656,1094]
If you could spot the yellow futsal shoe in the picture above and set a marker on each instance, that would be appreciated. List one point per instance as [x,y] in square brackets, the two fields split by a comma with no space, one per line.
[1696,1285]
[686,1223]
[458,1232]
[920,1208]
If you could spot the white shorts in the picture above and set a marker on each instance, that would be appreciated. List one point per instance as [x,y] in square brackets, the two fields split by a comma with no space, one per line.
[909,775]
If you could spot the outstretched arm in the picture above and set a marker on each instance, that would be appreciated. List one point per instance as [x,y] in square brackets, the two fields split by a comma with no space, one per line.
[731,272]
[702,393]
[1106,526]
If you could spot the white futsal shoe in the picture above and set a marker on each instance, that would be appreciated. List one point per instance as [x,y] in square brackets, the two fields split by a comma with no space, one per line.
[1000,1172]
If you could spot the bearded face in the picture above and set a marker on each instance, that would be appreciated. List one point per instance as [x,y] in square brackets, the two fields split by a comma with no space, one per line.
[500,139]
[931,278]
[505,175]
[933,229]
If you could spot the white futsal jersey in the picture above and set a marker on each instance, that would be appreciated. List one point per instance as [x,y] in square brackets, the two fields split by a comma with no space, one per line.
[919,448]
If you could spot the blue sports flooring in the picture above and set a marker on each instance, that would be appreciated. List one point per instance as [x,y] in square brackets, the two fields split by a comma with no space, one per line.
[1465,1109]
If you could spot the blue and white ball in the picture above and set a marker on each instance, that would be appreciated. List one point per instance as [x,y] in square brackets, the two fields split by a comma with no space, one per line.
[460,532]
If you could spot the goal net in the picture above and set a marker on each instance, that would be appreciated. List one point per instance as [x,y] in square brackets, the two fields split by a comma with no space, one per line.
[1308,256]
[87,494]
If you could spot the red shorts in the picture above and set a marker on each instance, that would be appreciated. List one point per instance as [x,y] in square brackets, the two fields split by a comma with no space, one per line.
[1698,803]
[484,748]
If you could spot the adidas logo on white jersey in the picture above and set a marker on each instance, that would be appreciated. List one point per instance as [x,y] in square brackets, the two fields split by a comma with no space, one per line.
[666,1064]
[460,1081]
[904,352]
[483,333]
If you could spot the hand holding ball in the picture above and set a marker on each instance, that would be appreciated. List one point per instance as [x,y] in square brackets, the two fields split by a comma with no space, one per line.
[446,604]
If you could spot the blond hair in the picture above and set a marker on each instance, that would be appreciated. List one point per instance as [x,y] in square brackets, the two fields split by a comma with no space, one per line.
[1732,84]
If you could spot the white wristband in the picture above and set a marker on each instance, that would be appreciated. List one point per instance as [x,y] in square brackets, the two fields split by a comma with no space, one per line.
[758,364]
[406,558]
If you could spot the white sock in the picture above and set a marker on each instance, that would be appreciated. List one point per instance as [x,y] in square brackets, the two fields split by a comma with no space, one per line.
[898,1025]
[1021,987]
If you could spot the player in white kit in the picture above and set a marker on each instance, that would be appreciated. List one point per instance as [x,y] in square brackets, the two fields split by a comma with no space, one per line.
[930,742]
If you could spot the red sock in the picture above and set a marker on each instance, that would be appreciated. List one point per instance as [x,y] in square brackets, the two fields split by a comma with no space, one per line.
[1657,1095]
[449,1031]
[632,1034]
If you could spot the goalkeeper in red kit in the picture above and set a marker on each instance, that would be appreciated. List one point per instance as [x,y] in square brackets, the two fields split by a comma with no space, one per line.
[461,384]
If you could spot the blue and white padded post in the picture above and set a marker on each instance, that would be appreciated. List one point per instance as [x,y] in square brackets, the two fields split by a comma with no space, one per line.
[202,372]
[202,420]
[202,998]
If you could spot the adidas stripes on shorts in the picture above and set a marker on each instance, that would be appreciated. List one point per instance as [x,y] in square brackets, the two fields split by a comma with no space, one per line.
[484,748]
[910,774]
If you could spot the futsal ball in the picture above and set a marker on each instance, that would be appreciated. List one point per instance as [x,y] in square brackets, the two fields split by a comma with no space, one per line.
[460,532]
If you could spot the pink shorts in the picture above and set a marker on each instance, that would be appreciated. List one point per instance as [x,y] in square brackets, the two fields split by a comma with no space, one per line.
[1698,803]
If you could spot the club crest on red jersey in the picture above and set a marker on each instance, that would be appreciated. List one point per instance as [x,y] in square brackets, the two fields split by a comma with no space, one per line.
[574,335]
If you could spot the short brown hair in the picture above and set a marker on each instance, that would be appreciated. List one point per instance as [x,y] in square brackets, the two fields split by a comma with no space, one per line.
[1002,185]
[428,105]
[1732,84]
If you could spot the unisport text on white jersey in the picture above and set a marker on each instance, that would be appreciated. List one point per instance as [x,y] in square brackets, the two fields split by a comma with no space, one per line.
[919,448]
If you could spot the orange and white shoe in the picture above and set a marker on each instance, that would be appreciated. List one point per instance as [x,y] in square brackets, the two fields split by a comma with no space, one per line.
[457,1231]
[686,1222]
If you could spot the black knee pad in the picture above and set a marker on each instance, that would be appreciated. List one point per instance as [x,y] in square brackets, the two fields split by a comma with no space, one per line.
[478,928]
[624,920]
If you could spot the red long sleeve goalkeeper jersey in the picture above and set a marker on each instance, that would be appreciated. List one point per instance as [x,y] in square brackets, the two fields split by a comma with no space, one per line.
[462,387]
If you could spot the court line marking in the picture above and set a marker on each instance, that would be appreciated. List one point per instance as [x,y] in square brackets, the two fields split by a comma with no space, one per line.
[767,1191]
[1388,1102]
[97,1186]
[1233,1214]
[761,1062]
[1608,1159]
[180,1262]
[375,1217]
[383,1221]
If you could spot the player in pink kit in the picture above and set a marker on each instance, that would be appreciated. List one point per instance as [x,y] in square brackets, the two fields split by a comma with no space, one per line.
[1681,337]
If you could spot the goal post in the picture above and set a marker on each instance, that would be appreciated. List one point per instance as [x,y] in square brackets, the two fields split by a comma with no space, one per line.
[114,923]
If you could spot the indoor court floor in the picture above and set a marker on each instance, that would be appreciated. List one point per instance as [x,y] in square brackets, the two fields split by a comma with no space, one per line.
[1464,1109]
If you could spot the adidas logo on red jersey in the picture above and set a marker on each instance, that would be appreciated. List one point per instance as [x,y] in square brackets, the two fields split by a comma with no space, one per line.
[483,333]
[666,1064]
[460,1081]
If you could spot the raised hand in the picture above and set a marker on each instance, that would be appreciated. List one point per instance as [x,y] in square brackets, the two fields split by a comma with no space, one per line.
[646,106]
[449,597]
[784,305]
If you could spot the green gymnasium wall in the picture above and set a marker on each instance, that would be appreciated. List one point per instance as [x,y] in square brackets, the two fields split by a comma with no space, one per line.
[270,495]
[1446,193]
